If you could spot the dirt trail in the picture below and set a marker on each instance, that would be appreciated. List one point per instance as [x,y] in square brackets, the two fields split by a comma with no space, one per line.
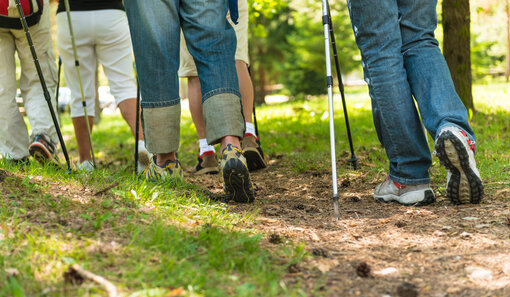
[379,249]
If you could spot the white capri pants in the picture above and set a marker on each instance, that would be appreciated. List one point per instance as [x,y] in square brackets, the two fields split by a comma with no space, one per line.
[101,36]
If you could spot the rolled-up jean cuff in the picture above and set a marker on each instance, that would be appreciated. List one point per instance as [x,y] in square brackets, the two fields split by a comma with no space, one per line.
[161,128]
[410,182]
[223,117]
[220,91]
[155,104]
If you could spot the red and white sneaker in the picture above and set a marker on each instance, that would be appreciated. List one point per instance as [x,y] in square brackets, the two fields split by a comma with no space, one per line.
[411,195]
[457,154]
[42,150]
[207,163]
[253,153]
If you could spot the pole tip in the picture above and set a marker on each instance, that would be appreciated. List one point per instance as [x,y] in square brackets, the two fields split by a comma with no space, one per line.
[335,206]
[354,162]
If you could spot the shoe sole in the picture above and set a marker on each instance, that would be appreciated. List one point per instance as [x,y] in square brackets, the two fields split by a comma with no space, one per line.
[238,186]
[464,185]
[207,170]
[429,198]
[40,153]
[254,159]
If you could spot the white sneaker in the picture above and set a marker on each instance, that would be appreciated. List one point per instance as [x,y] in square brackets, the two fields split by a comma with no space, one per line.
[457,154]
[85,166]
[415,195]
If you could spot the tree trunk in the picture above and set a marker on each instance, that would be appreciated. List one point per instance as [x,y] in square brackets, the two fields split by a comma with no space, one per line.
[507,72]
[456,47]
[260,81]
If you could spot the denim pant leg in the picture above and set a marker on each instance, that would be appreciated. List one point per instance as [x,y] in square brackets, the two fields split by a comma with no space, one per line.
[427,71]
[154,28]
[377,32]
[211,41]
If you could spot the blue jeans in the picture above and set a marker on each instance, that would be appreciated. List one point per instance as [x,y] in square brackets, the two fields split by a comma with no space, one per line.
[155,32]
[401,59]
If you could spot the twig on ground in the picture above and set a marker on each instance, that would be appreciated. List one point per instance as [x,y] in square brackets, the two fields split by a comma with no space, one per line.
[109,287]
[106,189]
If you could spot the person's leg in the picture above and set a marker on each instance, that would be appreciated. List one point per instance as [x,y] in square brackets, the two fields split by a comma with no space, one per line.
[114,52]
[220,89]
[442,111]
[44,135]
[82,23]
[154,28]
[82,137]
[377,33]
[13,131]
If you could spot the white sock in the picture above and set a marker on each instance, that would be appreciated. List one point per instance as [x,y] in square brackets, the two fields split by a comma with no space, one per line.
[141,145]
[204,147]
[250,129]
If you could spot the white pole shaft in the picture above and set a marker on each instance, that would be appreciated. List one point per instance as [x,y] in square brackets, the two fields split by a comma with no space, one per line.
[330,103]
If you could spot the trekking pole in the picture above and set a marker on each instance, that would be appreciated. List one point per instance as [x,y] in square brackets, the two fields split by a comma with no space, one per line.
[353,160]
[329,80]
[58,85]
[137,129]
[77,65]
[43,83]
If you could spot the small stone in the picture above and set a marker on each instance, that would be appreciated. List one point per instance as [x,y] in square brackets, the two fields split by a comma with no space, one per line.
[478,273]
[387,271]
[465,234]
[470,218]
[407,290]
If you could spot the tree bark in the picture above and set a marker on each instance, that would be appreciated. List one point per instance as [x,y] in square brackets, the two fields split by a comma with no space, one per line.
[260,81]
[507,72]
[456,47]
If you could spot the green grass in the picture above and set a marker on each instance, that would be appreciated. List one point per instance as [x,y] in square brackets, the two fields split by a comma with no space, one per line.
[153,238]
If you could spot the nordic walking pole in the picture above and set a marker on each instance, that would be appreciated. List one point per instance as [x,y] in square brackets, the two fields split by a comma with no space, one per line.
[137,129]
[329,80]
[77,64]
[43,82]
[353,160]
[58,85]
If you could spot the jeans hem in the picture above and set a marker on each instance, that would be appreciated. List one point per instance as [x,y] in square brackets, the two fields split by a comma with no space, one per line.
[168,103]
[410,182]
[220,91]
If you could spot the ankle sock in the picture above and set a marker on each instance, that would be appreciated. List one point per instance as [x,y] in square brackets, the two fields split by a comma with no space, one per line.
[141,145]
[204,147]
[250,129]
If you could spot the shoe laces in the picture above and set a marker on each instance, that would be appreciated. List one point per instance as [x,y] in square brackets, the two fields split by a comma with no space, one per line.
[470,143]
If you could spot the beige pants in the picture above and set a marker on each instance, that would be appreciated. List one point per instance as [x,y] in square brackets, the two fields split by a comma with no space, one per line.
[187,67]
[14,139]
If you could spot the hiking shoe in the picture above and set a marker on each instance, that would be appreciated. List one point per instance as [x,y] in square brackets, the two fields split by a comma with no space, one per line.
[85,166]
[457,154]
[410,195]
[144,158]
[253,153]
[42,150]
[170,170]
[207,163]
[235,176]
[25,161]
